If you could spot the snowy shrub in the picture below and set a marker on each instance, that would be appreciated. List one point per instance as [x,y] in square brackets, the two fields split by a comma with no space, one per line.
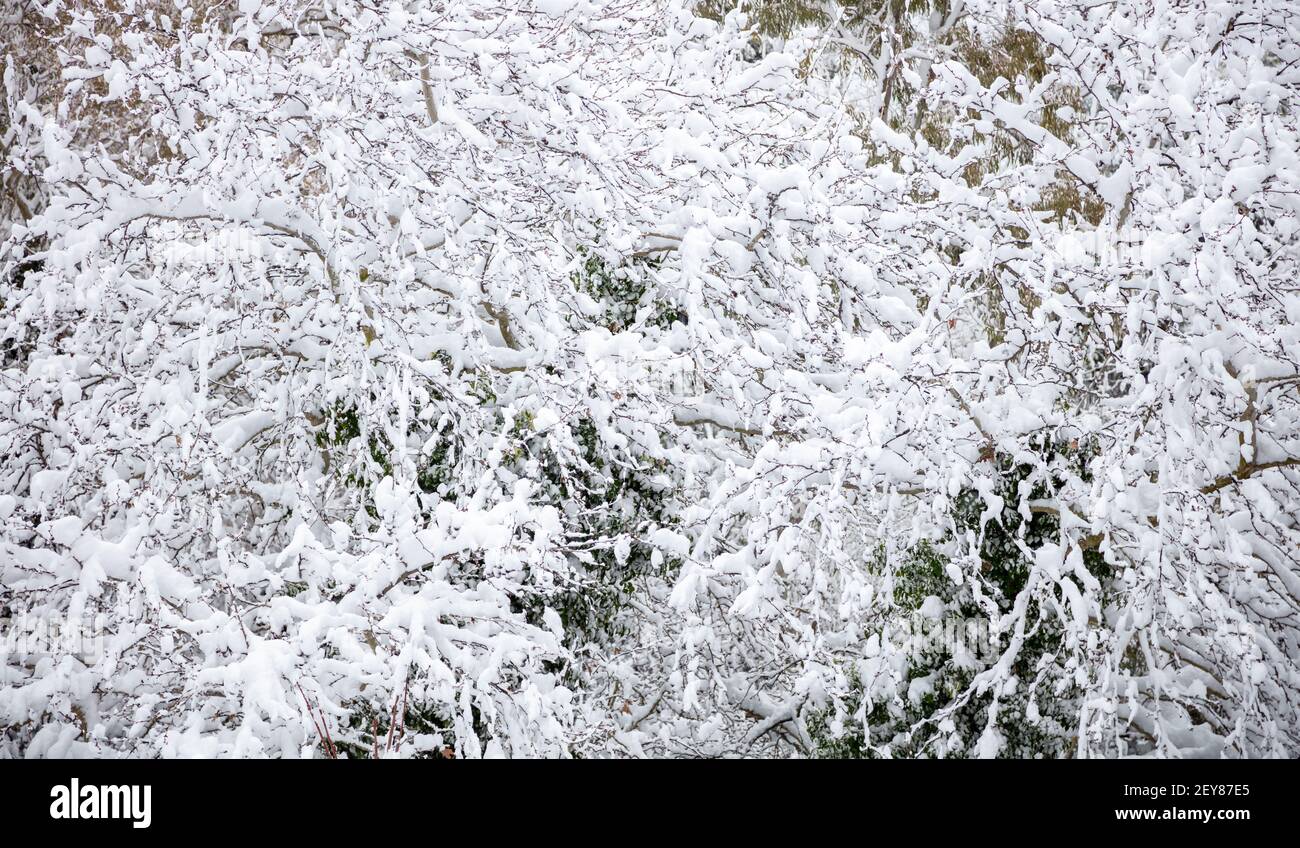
[614,378]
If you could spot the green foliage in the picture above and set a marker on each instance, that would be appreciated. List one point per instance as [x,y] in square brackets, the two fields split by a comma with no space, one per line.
[438,468]
[606,498]
[602,498]
[932,707]
[625,291]
[919,575]
[372,731]
[341,428]
[343,433]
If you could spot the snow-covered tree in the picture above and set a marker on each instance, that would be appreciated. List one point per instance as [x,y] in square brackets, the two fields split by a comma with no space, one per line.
[586,378]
